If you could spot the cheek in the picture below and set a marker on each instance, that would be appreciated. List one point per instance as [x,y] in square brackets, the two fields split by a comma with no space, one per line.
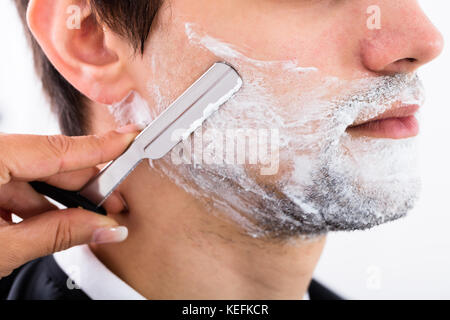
[169,67]
[276,94]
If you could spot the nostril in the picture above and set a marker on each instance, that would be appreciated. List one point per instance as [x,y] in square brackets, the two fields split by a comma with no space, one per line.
[404,65]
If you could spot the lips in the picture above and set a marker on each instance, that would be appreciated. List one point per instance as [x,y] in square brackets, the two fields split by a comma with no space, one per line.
[398,122]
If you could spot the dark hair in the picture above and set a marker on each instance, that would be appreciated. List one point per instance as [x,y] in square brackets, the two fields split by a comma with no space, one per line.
[131,19]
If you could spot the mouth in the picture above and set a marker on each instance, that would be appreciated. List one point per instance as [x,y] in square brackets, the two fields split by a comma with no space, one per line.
[399,122]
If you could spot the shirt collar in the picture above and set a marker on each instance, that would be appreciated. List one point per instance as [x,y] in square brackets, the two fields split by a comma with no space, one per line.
[89,274]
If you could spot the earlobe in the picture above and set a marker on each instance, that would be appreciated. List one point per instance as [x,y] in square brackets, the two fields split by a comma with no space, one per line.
[72,39]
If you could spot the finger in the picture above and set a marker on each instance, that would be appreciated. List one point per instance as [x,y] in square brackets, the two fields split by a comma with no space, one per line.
[115,204]
[59,230]
[72,181]
[20,198]
[29,157]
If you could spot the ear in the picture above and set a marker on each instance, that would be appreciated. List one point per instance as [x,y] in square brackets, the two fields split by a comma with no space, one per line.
[92,58]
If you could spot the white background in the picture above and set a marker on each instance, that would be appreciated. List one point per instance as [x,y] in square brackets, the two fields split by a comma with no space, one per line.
[407,259]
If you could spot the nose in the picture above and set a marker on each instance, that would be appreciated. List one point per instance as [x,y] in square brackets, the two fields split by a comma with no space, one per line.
[406,41]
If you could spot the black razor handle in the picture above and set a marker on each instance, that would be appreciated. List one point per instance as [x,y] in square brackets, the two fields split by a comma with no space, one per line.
[70,199]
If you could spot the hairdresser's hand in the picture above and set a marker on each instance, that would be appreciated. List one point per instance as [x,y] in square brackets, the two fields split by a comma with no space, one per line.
[67,163]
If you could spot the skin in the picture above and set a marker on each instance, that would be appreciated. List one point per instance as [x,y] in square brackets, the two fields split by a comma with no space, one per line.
[176,249]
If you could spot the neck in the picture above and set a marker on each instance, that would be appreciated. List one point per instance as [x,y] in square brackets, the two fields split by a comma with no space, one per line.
[176,250]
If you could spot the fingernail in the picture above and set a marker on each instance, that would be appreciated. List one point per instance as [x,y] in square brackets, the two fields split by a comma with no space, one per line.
[110,235]
[131,128]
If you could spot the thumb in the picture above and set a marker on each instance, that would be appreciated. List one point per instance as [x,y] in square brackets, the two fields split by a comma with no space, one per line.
[59,230]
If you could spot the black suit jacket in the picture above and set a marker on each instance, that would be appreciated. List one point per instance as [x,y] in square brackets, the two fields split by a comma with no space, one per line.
[43,279]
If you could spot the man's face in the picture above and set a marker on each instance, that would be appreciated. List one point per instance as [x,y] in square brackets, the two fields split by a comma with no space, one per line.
[312,70]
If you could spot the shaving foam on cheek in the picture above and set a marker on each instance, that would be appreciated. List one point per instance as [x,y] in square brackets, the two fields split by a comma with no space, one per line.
[132,110]
[328,180]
